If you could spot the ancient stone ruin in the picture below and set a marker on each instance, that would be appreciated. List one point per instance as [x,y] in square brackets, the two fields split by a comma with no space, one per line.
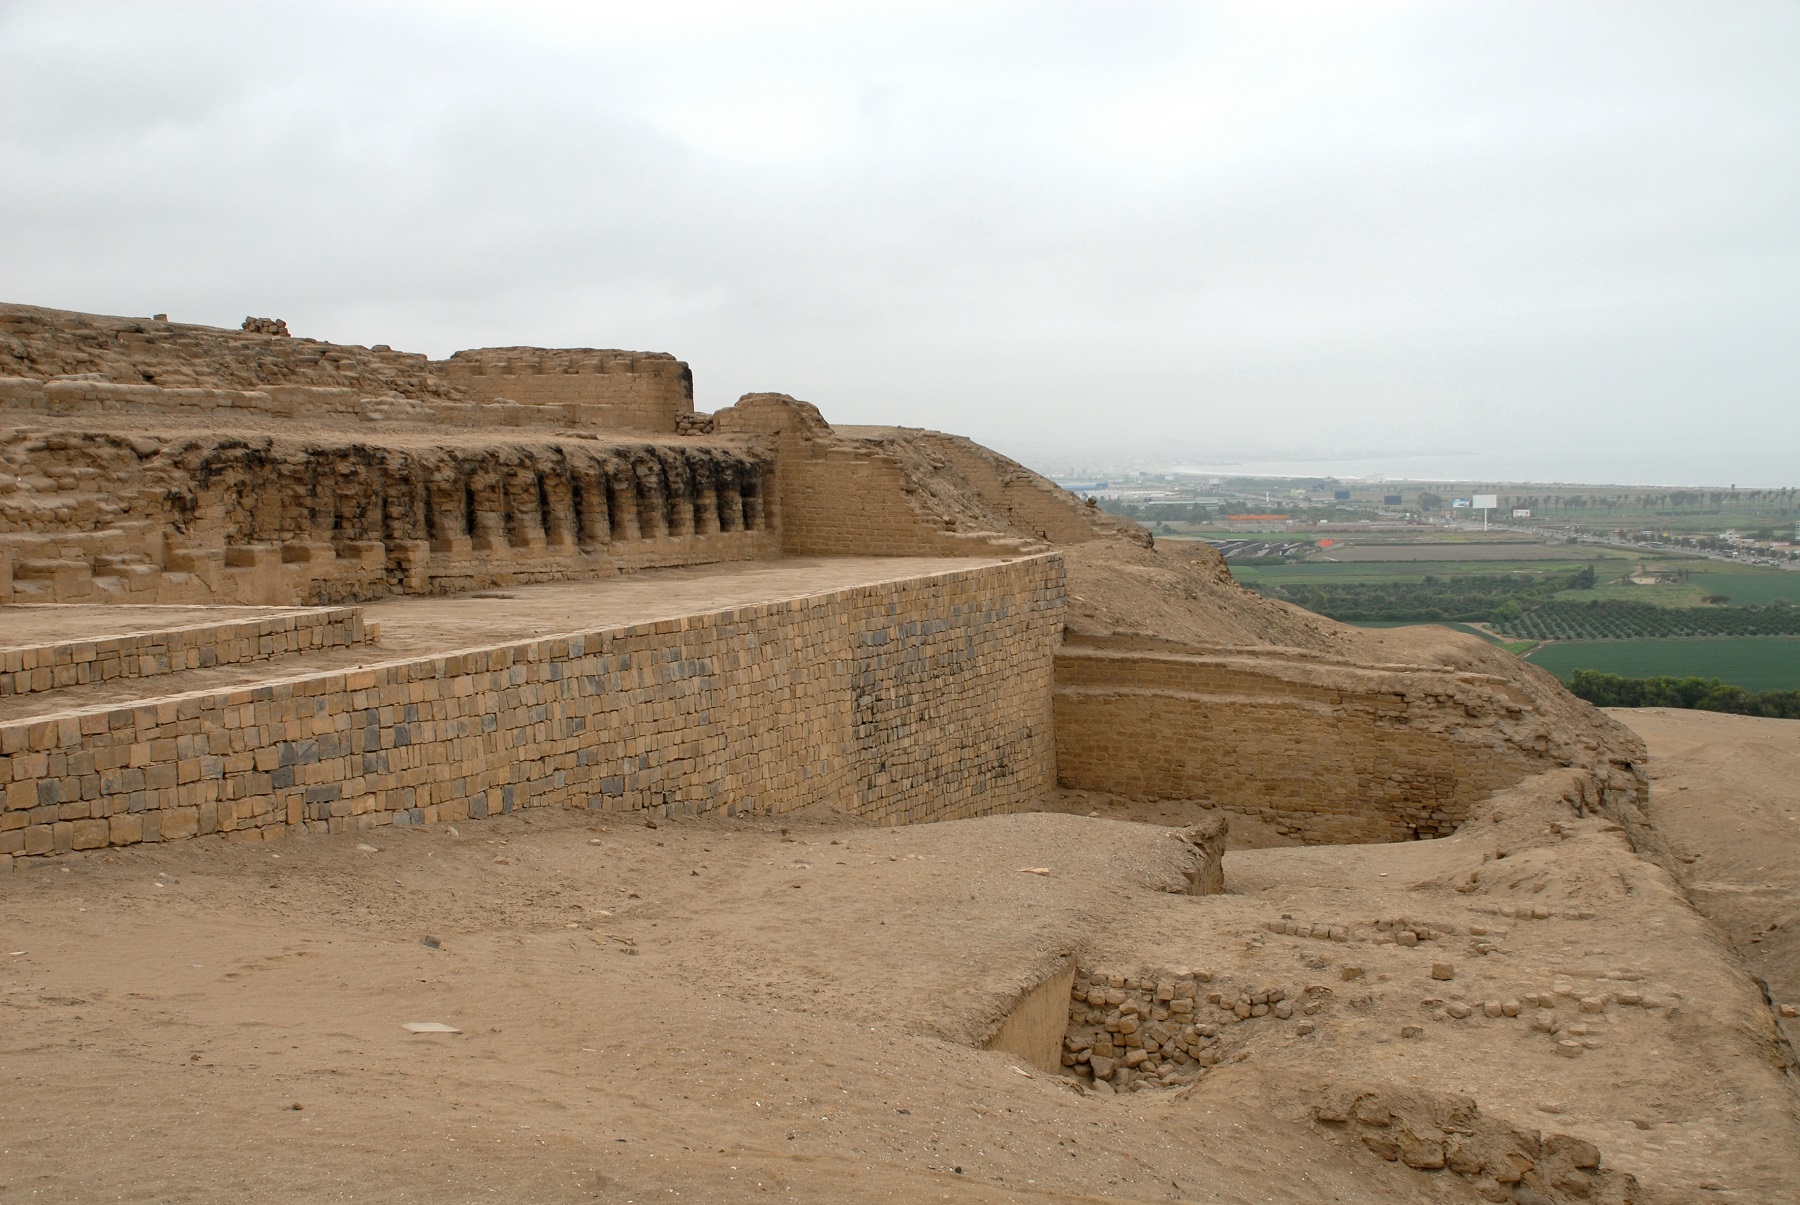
[152,465]
[254,586]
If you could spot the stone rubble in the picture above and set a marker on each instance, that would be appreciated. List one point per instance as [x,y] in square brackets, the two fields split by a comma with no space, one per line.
[1129,1033]
[1440,1132]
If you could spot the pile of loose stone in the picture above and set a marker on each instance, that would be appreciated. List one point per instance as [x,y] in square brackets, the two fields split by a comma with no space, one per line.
[1404,931]
[1594,1011]
[1128,1033]
[1396,930]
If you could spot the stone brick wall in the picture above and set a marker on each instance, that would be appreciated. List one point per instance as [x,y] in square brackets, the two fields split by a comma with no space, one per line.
[1326,752]
[29,669]
[618,390]
[921,699]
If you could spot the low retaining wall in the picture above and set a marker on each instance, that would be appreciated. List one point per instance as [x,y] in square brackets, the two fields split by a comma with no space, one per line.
[921,699]
[30,669]
[1328,753]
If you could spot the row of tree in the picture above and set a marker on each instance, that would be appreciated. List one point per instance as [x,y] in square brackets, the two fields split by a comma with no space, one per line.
[1621,619]
[1701,694]
[1461,598]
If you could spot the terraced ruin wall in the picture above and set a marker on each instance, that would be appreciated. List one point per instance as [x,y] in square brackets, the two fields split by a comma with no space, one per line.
[848,497]
[1325,753]
[55,362]
[36,668]
[921,699]
[618,390]
[95,517]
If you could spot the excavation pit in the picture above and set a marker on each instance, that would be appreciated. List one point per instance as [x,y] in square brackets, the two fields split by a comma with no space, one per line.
[1153,1030]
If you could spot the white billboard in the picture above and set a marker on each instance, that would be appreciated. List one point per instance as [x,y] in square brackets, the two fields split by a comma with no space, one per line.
[1487,501]
[1521,512]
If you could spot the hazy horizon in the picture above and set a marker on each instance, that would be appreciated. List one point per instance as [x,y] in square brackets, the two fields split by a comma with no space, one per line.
[1542,241]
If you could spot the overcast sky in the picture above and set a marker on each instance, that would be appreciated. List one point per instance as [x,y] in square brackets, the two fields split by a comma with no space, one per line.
[1543,241]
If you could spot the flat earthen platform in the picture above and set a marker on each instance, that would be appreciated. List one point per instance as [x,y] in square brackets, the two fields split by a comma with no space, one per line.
[411,627]
[53,623]
[430,625]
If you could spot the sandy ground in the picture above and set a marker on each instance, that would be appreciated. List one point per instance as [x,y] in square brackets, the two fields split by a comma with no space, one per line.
[1246,832]
[717,1010]
[58,623]
[1726,796]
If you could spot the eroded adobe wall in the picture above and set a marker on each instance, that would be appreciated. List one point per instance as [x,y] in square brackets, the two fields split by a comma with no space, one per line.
[842,495]
[616,390]
[43,345]
[921,699]
[1326,751]
[93,517]
[983,490]
[55,362]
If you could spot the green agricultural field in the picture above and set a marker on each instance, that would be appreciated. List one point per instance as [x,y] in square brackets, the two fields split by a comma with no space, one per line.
[1747,585]
[1752,662]
[1673,594]
[1751,585]
[1347,572]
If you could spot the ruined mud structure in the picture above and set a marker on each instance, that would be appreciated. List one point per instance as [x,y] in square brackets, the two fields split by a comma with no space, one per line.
[149,463]
[253,584]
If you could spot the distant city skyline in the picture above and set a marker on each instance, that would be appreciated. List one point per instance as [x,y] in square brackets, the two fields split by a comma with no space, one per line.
[1463,467]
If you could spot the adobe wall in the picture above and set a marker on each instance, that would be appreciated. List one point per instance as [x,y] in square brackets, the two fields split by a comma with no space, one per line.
[257,519]
[45,345]
[1329,753]
[921,699]
[88,396]
[617,390]
[840,496]
[57,362]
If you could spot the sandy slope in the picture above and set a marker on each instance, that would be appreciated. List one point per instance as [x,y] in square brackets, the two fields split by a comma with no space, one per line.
[1726,795]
